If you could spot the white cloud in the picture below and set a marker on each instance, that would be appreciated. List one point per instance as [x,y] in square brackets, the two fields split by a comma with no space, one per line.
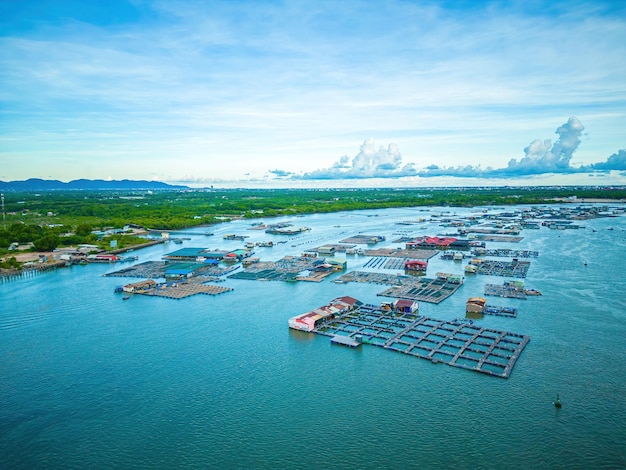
[231,85]
[370,162]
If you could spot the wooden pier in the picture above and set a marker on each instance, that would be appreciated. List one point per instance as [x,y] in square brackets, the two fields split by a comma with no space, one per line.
[456,343]
[8,275]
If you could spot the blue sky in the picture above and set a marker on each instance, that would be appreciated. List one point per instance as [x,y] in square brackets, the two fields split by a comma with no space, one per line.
[314,93]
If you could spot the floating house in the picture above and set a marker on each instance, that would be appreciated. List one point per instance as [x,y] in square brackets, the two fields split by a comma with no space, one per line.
[405,306]
[337,264]
[102,258]
[249,262]
[475,305]
[326,250]
[438,243]
[400,305]
[450,278]
[311,320]
[182,270]
[140,286]
[192,254]
[432,243]
[230,258]
[415,266]
[471,268]
[285,229]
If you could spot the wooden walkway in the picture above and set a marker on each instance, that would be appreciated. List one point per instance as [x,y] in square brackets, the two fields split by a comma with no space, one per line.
[402,253]
[456,343]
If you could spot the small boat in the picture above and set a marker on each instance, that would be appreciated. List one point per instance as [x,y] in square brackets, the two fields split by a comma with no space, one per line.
[126,297]
[470,269]
[532,292]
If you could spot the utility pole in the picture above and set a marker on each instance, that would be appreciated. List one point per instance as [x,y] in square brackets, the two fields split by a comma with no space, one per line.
[4,215]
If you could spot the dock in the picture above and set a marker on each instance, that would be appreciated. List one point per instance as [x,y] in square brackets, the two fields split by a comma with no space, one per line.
[8,275]
[342,340]
[458,343]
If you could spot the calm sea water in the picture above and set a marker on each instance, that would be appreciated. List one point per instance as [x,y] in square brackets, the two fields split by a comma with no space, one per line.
[90,381]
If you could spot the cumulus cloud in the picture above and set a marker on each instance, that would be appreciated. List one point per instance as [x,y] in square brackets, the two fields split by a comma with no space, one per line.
[540,157]
[617,161]
[370,162]
[280,173]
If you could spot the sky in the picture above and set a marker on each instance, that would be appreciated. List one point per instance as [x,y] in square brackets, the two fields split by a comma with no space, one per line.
[265,93]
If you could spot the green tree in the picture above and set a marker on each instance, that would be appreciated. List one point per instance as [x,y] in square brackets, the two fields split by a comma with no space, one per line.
[9,263]
[46,243]
[83,230]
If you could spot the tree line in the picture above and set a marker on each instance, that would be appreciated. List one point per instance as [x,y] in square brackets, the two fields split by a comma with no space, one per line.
[64,218]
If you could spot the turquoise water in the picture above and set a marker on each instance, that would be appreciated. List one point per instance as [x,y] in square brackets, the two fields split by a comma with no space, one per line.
[90,381]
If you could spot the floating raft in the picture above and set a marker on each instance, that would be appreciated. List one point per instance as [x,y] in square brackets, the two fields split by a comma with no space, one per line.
[182,290]
[508,289]
[507,253]
[402,253]
[403,286]
[456,343]
[380,262]
[498,238]
[516,269]
[423,289]
[500,311]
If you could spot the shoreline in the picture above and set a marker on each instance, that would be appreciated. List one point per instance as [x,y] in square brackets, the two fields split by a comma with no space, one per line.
[26,257]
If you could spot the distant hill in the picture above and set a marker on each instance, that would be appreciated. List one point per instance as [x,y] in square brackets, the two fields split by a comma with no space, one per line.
[36,184]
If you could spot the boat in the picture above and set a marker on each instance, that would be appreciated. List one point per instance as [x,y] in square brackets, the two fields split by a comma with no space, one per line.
[532,292]
[471,269]
[126,297]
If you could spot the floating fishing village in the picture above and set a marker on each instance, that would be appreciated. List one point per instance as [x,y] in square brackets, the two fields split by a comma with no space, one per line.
[398,263]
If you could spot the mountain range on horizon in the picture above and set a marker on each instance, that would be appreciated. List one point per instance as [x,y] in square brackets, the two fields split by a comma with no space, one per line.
[37,184]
